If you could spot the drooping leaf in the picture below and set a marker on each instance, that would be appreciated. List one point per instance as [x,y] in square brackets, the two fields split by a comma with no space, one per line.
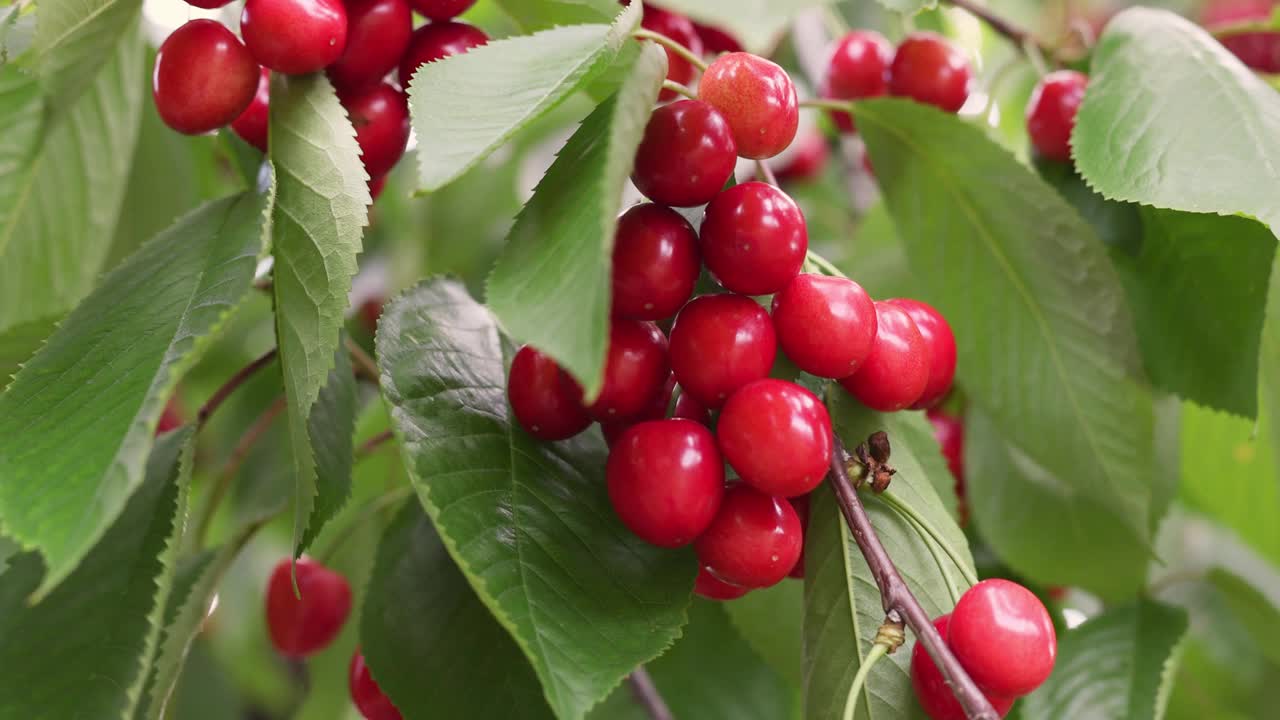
[550,288]
[467,106]
[318,215]
[331,427]
[529,523]
[74,39]
[1117,665]
[77,422]
[1172,119]
[759,24]
[534,15]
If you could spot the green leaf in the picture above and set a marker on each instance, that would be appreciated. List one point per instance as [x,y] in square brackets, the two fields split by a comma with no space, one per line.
[771,620]
[74,39]
[1117,665]
[81,651]
[1172,119]
[550,288]
[757,24]
[533,15]
[17,30]
[469,105]
[331,427]
[431,644]
[842,610]
[318,214]
[18,344]
[529,523]
[77,422]
[1252,609]
[1047,348]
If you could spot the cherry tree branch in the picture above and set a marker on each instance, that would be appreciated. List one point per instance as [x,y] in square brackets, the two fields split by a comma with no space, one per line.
[235,381]
[647,695]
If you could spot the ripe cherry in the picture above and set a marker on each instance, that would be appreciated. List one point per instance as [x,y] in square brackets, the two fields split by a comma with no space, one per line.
[1051,112]
[777,436]
[380,116]
[635,370]
[665,480]
[715,40]
[689,408]
[252,124]
[754,238]
[826,325]
[801,505]
[713,588]
[929,69]
[377,34]
[949,432]
[204,78]
[435,41]
[678,28]
[896,371]
[442,9]
[300,626]
[758,100]
[1003,635]
[807,161]
[294,36]
[657,410]
[932,691]
[368,698]
[208,4]
[171,417]
[545,400]
[655,263]
[376,185]
[858,68]
[720,343]
[686,155]
[940,346]
[753,541]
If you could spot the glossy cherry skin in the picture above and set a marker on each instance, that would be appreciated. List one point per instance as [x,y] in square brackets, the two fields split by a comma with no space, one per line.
[686,155]
[896,371]
[825,324]
[713,588]
[720,343]
[657,410]
[801,505]
[935,697]
[808,160]
[678,28]
[545,400]
[655,263]
[1051,112]
[208,4]
[858,68]
[204,78]
[689,408]
[754,540]
[301,626]
[754,238]
[716,41]
[368,698]
[380,116]
[758,100]
[635,370]
[435,41]
[940,345]
[929,69]
[1003,635]
[377,35]
[252,124]
[666,480]
[294,36]
[442,9]
[777,436]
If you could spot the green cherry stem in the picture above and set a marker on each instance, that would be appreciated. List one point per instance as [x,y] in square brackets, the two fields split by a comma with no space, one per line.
[933,546]
[825,265]
[895,502]
[828,104]
[676,87]
[851,703]
[672,45]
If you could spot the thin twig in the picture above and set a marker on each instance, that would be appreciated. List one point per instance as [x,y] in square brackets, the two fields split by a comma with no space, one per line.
[1016,34]
[239,454]
[221,394]
[672,45]
[647,695]
[368,446]
[365,365]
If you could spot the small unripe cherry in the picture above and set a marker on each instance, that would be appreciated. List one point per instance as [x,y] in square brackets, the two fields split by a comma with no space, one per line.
[715,40]
[442,9]
[929,69]
[720,343]
[252,124]
[377,35]
[666,480]
[826,325]
[777,436]
[368,698]
[936,698]
[204,78]
[435,41]
[801,505]
[545,400]
[380,116]
[655,263]
[858,68]
[896,370]
[678,28]
[713,588]
[754,238]
[305,624]
[686,155]
[294,36]
[753,541]
[940,347]
[635,370]
[1051,112]
[758,100]
[1003,636]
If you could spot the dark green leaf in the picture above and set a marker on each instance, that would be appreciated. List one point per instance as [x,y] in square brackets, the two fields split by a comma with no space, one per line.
[772,622]
[75,38]
[331,427]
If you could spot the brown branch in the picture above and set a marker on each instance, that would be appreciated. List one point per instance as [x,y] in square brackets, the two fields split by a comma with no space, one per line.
[368,446]
[238,455]
[647,695]
[1016,34]
[365,365]
[235,381]
[900,605]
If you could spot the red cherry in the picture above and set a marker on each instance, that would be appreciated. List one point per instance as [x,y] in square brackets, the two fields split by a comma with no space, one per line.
[754,238]
[171,417]
[1002,634]
[932,691]
[634,372]
[204,78]
[655,263]
[376,185]
[777,436]
[929,69]
[1259,51]
[380,116]
[713,588]
[368,698]
[251,126]
[678,28]
[435,41]
[442,9]
[686,156]
[546,401]
[294,36]
[826,325]
[807,162]
[720,343]
[1051,112]
[657,410]
[858,68]
[896,371]
[753,541]
[208,4]
[949,432]
[689,408]
[940,347]
[377,34]
[801,505]
[716,40]
[665,480]
[1224,12]
[758,100]
[301,626]
[371,310]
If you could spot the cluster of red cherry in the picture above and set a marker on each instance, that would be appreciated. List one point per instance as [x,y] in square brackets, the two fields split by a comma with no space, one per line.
[205,78]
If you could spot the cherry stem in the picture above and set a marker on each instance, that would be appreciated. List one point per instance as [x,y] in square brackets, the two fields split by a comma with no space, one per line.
[898,601]
[221,394]
[828,104]
[676,87]
[369,446]
[365,365]
[239,454]
[765,173]
[672,45]
[910,513]
[647,695]
[877,651]
[1019,36]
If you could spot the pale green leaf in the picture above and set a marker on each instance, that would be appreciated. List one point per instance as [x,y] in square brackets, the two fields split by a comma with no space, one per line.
[533,15]
[74,39]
